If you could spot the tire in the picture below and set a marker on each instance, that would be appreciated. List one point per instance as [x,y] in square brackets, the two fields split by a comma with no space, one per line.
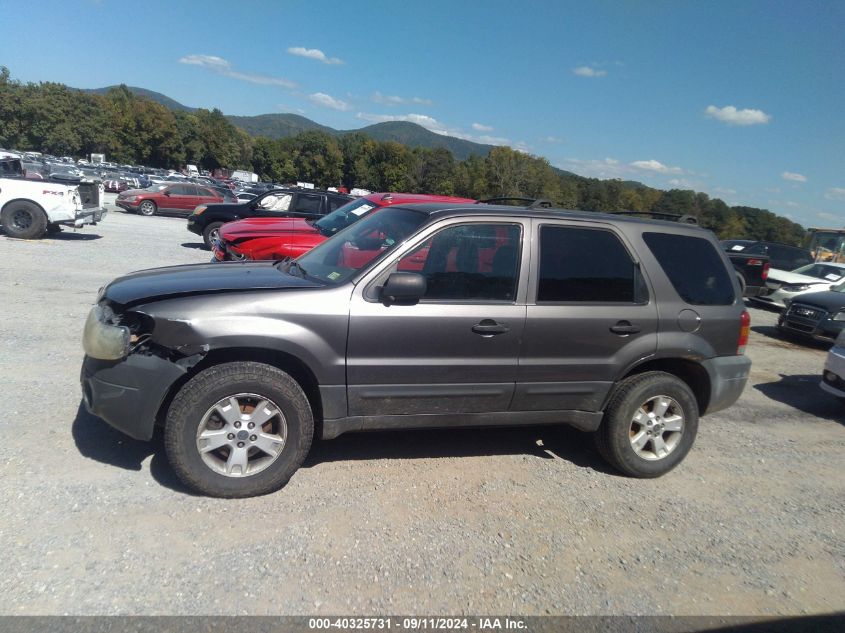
[210,233]
[147,208]
[24,220]
[235,463]
[628,420]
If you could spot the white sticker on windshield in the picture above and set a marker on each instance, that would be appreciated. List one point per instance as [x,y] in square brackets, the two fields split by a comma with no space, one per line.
[833,277]
[738,247]
[363,209]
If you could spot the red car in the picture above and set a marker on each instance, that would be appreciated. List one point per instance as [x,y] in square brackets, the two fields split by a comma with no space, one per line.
[170,197]
[277,238]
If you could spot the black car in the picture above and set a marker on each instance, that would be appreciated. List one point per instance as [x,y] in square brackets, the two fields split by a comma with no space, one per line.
[781,256]
[816,315]
[206,220]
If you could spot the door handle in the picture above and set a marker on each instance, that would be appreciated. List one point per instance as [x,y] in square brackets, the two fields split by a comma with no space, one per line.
[488,327]
[624,327]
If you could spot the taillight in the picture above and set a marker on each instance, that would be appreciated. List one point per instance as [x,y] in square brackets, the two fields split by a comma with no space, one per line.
[765,274]
[744,327]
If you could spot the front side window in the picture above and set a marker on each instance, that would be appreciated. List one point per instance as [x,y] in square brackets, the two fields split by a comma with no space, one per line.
[276,201]
[468,262]
[585,265]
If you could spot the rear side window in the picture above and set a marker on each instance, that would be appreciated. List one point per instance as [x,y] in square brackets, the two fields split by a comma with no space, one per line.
[585,265]
[694,267]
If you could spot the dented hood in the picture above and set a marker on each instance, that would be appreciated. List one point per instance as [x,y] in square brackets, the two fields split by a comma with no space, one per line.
[264,227]
[194,279]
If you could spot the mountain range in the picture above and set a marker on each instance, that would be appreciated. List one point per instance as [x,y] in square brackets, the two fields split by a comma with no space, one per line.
[284,124]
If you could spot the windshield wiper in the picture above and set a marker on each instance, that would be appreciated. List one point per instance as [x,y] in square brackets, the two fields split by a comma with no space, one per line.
[293,264]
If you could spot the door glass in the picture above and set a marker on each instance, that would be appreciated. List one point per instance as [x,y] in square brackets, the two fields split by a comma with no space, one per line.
[588,265]
[275,202]
[469,262]
[307,204]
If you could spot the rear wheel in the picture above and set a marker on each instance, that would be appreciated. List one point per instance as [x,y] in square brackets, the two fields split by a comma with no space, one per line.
[24,220]
[649,425]
[147,207]
[238,430]
[211,233]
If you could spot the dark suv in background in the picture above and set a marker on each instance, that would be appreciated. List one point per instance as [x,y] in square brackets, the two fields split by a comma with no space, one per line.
[781,256]
[206,220]
[421,316]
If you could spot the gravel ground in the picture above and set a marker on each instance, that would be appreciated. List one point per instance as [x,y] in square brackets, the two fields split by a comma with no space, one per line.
[525,521]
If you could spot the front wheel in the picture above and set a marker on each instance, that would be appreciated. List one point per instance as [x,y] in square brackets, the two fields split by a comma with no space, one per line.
[211,233]
[649,425]
[24,220]
[238,430]
[147,207]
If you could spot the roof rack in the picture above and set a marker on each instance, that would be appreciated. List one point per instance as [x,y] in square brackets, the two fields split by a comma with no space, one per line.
[661,215]
[529,203]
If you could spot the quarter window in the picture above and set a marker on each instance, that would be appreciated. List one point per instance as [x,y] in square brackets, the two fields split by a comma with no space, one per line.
[586,265]
[694,267]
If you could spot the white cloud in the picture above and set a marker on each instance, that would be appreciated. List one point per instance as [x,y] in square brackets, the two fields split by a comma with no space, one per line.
[314,53]
[682,182]
[588,71]
[327,101]
[725,191]
[830,216]
[732,116]
[788,175]
[481,128]
[656,166]
[835,193]
[393,100]
[607,168]
[552,139]
[222,67]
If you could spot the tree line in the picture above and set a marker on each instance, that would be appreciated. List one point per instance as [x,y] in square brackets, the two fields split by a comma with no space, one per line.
[130,129]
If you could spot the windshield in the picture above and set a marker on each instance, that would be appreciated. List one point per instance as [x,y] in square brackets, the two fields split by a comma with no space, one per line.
[343,216]
[821,271]
[338,259]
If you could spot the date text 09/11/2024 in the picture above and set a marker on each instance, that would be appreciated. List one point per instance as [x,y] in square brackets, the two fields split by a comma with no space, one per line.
[417,623]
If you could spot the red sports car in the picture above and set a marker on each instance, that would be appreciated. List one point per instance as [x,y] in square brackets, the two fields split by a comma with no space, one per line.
[278,238]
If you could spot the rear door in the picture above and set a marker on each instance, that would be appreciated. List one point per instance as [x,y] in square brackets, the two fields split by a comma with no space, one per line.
[589,316]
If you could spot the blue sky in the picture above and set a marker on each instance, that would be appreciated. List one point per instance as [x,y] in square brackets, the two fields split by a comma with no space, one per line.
[743,100]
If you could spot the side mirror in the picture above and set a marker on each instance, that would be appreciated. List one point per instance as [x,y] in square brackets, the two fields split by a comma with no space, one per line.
[403,289]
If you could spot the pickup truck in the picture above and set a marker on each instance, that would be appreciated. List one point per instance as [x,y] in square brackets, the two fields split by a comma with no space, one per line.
[751,271]
[31,208]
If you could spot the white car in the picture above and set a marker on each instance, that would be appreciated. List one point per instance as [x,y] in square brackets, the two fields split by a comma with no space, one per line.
[833,377]
[782,285]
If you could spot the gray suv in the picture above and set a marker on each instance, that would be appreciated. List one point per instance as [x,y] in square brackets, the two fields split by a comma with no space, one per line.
[423,316]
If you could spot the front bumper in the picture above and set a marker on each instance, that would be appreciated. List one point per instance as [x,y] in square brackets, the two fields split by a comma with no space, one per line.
[833,377]
[818,325]
[126,206]
[194,226]
[128,393]
[728,376]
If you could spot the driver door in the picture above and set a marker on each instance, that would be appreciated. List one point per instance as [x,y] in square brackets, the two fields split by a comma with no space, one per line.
[273,204]
[457,350]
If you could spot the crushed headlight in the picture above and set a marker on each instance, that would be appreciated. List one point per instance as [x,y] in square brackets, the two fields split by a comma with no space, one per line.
[199,209]
[104,341]
[839,316]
